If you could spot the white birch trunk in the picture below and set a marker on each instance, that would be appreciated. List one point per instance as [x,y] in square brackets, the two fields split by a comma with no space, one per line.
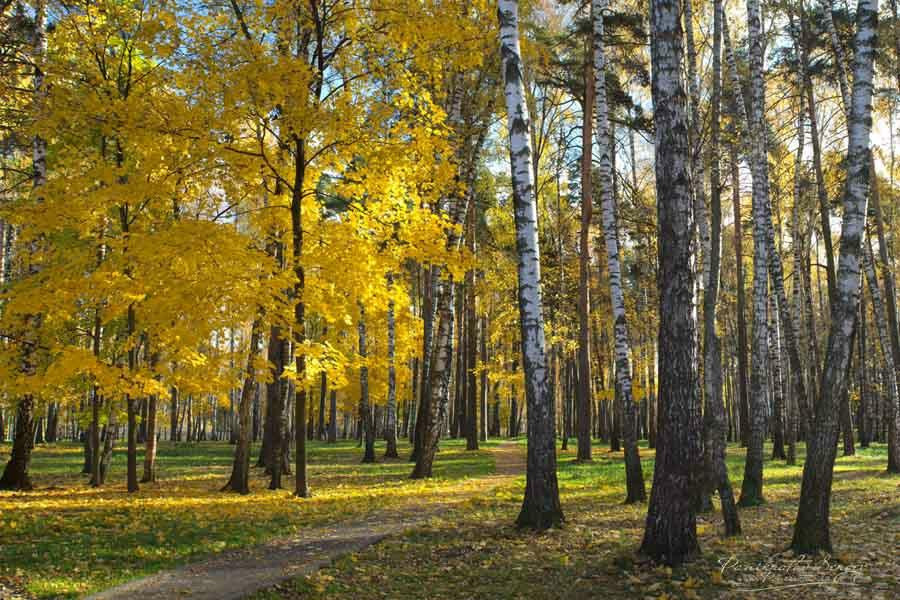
[391,430]
[634,474]
[698,167]
[540,508]
[751,488]
[811,531]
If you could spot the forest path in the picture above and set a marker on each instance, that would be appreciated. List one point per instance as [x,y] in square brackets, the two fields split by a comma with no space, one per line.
[238,573]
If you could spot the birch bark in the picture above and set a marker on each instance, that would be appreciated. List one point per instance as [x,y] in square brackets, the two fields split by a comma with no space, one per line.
[541,508]
[634,478]
[811,531]
[670,533]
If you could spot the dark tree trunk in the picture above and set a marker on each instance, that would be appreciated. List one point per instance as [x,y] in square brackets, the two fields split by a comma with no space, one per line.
[777,388]
[332,411]
[366,413]
[483,384]
[276,391]
[862,418]
[583,382]
[323,392]
[670,534]
[132,444]
[173,416]
[714,426]
[240,470]
[423,409]
[52,422]
[94,435]
[15,474]
[743,396]
[457,425]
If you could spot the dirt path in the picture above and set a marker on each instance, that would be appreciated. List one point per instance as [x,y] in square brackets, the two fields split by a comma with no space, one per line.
[238,573]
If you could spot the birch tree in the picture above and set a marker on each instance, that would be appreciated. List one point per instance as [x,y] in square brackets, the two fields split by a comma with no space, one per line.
[751,488]
[584,264]
[670,533]
[633,474]
[714,425]
[240,471]
[390,432]
[541,508]
[811,530]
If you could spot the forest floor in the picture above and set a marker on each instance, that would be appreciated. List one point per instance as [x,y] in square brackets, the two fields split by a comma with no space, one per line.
[478,553]
[450,537]
[66,540]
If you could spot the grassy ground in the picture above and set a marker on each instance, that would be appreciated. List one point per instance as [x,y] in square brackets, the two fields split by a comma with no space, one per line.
[476,553]
[66,539]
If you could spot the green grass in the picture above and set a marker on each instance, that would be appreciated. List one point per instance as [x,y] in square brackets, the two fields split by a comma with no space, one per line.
[475,552]
[65,539]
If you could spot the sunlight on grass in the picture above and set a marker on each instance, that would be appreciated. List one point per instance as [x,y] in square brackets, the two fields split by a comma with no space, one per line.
[478,550]
[69,539]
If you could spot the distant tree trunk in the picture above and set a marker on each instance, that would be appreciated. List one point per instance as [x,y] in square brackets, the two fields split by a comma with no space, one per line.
[150,442]
[52,422]
[301,485]
[714,425]
[670,534]
[797,291]
[777,387]
[433,418]
[365,408]
[471,383]
[110,433]
[652,413]
[390,432]
[323,393]
[275,407]
[458,418]
[495,417]
[541,508]
[698,170]
[173,416]
[892,324]
[881,328]
[428,315]
[743,397]
[563,382]
[409,413]
[96,401]
[633,473]
[752,486]
[332,411]
[811,531]
[433,409]
[132,409]
[483,384]
[240,470]
[584,397]
[863,415]
[821,192]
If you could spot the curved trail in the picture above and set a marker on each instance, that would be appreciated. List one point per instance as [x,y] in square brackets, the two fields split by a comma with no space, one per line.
[238,573]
